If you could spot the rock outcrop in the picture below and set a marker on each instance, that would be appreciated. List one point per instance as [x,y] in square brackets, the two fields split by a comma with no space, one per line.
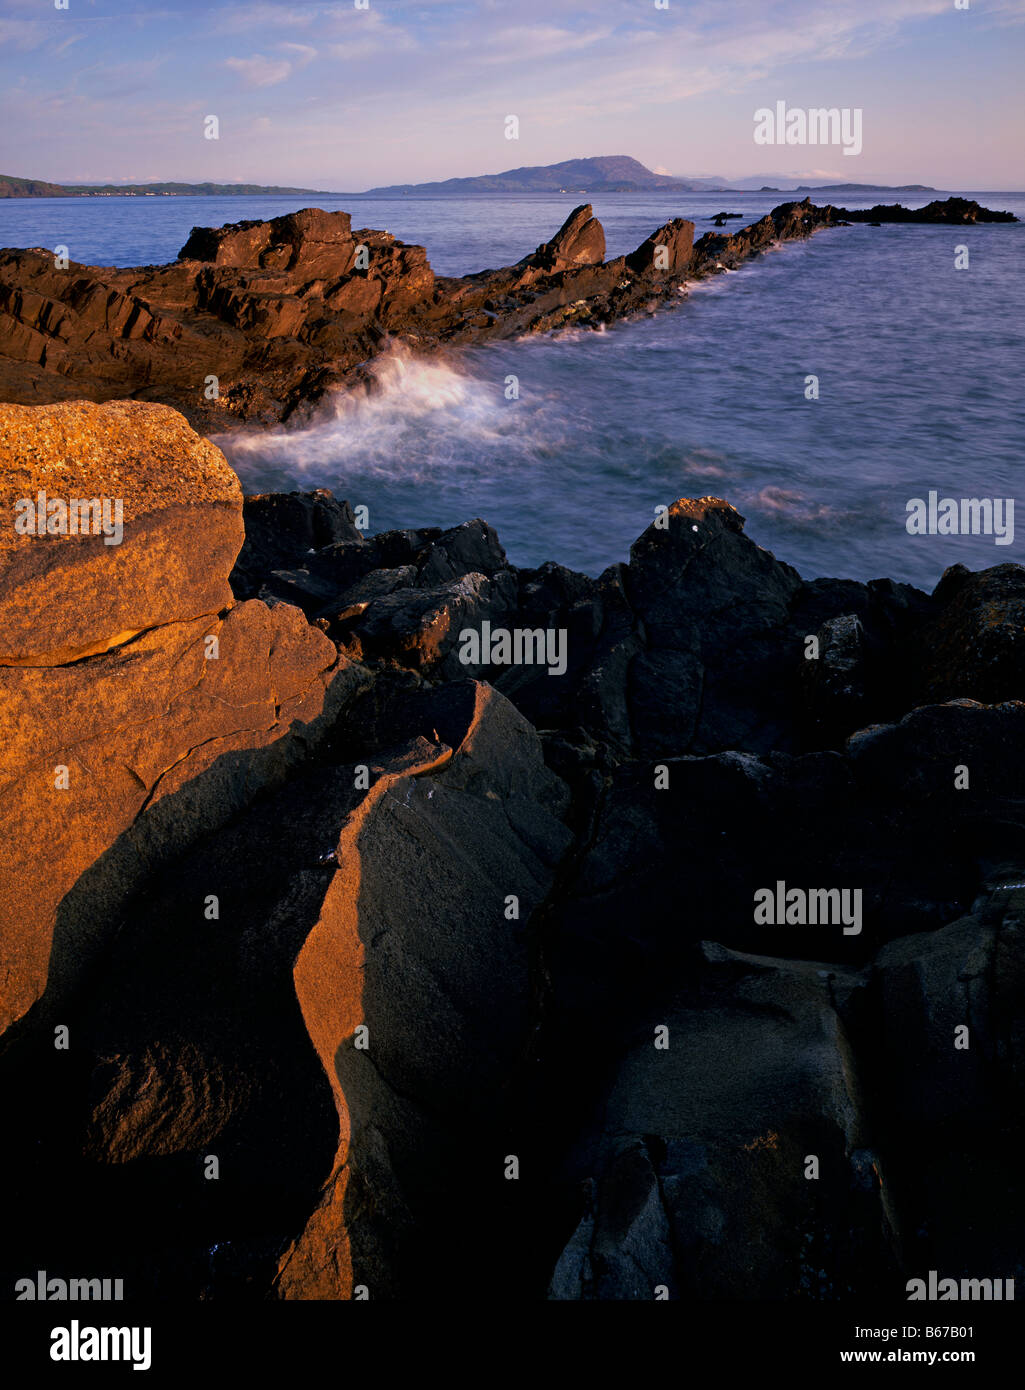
[153,543]
[951,211]
[701,1184]
[141,704]
[370,950]
[257,319]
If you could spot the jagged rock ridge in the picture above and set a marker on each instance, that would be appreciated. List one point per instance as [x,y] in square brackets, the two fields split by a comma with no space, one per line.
[258,319]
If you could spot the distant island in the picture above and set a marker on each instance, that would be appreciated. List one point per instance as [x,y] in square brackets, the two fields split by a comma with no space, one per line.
[617,173]
[614,173]
[860,188]
[11,187]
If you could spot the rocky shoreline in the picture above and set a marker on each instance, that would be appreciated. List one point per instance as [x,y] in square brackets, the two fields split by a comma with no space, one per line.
[256,321]
[386,967]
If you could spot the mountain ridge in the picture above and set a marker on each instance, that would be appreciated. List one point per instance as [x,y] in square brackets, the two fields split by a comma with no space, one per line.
[12,187]
[616,173]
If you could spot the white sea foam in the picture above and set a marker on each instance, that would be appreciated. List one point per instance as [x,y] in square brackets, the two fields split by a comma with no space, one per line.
[396,429]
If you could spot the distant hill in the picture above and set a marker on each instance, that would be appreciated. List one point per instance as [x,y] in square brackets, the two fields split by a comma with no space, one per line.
[776,182]
[11,187]
[29,188]
[865,188]
[614,173]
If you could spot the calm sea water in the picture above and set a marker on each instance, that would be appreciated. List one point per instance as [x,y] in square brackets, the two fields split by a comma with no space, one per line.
[919,369]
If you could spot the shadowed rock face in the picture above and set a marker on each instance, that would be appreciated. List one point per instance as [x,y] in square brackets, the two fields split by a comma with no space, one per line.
[699,1179]
[443,986]
[341,1036]
[363,923]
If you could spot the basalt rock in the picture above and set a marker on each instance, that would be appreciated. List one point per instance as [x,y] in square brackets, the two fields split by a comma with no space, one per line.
[950,211]
[942,1024]
[699,644]
[362,917]
[722,617]
[857,1131]
[975,645]
[281,529]
[256,320]
[339,1036]
[698,1184]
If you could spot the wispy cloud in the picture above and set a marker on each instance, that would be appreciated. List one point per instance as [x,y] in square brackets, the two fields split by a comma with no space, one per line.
[367,34]
[422,87]
[302,53]
[260,71]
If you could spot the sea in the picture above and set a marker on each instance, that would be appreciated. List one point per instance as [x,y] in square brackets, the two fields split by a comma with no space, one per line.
[568,443]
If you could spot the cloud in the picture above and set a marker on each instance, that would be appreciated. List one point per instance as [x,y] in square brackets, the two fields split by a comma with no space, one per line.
[539,41]
[367,33]
[259,71]
[246,19]
[22,35]
[424,85]
[302,53]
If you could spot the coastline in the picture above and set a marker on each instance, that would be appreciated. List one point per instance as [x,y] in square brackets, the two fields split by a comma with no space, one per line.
[257,322]
[251,883]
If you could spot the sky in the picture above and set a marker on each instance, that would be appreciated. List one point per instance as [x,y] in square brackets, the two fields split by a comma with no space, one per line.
[334,97]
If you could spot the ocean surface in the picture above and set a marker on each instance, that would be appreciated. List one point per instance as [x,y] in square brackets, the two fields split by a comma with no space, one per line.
[919,367]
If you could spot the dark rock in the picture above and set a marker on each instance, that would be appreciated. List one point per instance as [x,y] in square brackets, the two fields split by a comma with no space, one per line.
[579,241]
[510,877]
[714,607]
[699,1180]
[282,529]
[948,1103]
[276,314]
[675,240]
[472,547]
[975,646]
[353,601]
[836,678]
[953,211]
[239,1037]
[420,628]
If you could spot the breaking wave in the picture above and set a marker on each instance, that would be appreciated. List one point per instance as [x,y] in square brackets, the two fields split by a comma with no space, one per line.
[567,443]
